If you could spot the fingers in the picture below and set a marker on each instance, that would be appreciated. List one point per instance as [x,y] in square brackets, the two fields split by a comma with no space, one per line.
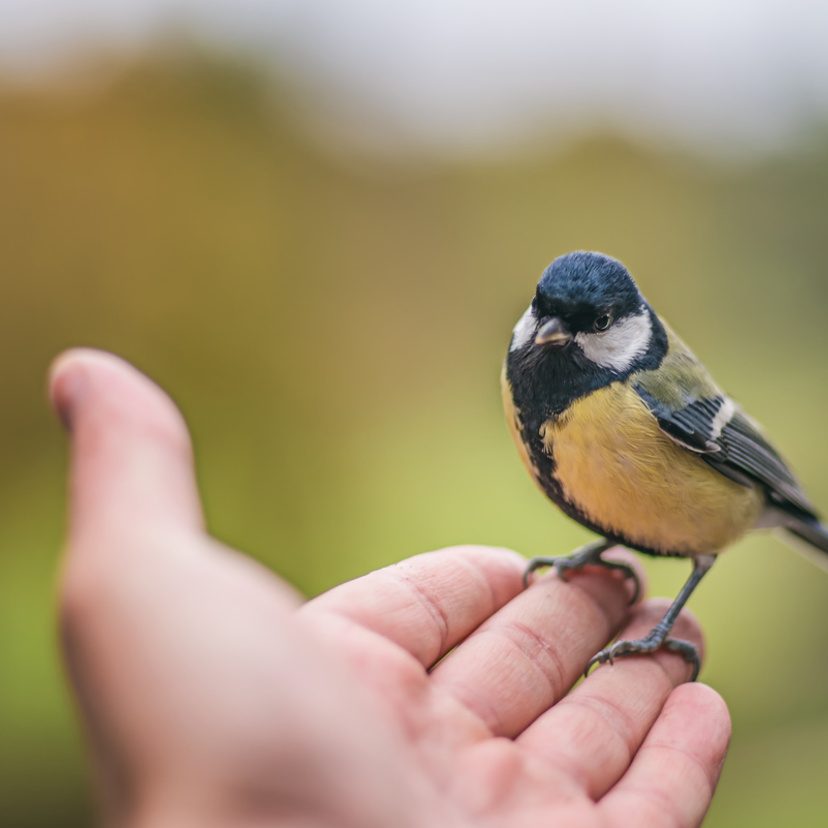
[526,656]
[674,774]
[131,462]
[593,733]
[429,603]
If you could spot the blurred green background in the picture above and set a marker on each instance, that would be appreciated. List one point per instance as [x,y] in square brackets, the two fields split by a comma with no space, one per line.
[333,332]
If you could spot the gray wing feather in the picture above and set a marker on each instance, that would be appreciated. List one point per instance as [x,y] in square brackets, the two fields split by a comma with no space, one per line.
[721,434]
[693,411]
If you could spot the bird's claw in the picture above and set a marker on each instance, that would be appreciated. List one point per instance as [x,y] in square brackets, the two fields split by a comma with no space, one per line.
[643,646]
[586,556]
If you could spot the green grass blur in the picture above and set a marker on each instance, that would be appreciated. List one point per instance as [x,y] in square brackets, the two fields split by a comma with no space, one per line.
[333,334]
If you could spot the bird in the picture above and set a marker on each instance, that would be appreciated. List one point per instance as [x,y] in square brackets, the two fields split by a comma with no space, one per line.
[624,429]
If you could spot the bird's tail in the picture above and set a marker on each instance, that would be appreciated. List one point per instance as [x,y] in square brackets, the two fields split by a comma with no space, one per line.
[815,536]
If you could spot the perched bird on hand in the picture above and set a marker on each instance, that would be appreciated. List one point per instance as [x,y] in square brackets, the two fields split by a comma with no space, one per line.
[623,428]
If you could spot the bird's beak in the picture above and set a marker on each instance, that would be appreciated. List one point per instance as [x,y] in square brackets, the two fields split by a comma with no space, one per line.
[553,332]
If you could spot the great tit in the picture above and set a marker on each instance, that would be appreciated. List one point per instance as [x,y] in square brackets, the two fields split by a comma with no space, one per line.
[622,427]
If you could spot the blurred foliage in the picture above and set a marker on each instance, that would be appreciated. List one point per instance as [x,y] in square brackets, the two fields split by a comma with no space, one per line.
[333,332]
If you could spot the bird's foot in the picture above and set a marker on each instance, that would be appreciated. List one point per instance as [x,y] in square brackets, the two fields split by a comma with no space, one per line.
[649,644]
[589,555]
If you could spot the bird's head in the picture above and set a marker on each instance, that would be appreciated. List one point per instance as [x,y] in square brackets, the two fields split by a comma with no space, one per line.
[589,302]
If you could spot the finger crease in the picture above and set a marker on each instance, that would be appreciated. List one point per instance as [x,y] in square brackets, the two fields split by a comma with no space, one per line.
[432,607]
[694,760]
[487,586]
[531,644]
[619,722]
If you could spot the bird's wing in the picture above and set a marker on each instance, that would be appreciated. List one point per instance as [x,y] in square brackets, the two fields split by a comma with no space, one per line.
[692,411]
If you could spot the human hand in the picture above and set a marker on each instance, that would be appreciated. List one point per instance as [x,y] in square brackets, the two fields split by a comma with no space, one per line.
[430,693]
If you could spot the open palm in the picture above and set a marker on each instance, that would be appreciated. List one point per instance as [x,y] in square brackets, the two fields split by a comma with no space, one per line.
[435,692]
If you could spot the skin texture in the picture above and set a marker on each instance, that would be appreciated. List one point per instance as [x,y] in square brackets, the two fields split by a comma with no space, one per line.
[212,695]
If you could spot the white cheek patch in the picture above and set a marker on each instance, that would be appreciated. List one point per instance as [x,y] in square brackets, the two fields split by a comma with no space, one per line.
[620,346]
[524,331]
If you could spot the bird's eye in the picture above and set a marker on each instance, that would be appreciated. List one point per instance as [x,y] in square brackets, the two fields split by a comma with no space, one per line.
[602,322]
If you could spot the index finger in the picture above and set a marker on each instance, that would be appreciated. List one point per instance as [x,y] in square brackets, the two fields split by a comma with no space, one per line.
[429,603]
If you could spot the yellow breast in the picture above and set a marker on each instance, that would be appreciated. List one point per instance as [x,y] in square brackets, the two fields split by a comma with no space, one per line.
[616,465]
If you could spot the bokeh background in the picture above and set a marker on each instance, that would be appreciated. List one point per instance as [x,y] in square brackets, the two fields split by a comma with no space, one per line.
[315,223]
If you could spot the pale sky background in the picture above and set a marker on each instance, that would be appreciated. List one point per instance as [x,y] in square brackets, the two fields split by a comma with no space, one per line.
[730,76]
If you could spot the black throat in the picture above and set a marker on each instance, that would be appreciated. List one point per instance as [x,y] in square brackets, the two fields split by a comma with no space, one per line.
[546,380]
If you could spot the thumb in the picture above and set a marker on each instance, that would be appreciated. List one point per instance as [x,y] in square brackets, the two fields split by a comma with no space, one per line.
[131,465]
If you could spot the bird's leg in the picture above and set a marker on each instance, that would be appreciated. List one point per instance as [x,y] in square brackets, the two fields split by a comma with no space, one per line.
[657,637]
[589,555]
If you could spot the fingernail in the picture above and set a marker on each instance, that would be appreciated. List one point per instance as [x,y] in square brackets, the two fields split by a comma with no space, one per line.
[66,387]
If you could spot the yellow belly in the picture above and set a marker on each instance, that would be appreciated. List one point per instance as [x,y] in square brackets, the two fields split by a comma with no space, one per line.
[616,465]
